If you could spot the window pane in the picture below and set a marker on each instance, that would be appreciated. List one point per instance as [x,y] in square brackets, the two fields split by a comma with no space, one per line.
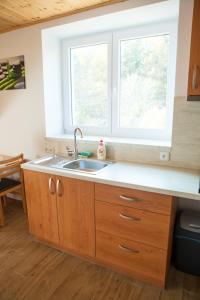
[143,82]
[89,85]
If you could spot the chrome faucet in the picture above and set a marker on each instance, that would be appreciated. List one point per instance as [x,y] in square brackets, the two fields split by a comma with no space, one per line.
[75,142]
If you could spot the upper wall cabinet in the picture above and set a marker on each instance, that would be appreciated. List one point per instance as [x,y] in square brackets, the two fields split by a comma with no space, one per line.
[194,67]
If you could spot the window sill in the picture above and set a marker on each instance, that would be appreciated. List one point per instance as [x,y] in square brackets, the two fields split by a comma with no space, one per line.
[164,144]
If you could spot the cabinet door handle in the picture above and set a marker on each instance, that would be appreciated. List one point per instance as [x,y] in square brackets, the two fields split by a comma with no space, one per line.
[129,199]
[129,217]
[59,188]
[194,78]
[52,188]
[128,249]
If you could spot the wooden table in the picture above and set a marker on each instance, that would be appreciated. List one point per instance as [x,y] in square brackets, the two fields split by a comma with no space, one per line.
[3,157]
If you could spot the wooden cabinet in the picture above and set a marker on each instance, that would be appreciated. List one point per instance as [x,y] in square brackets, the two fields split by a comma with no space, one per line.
[126,229]
[139,225]
[134,231]
[40,191]
[76,215]
[136,259]
[194,67]
[134,198]
[61,211]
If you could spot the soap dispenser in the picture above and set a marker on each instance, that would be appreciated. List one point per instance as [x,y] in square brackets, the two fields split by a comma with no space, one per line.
[101,150]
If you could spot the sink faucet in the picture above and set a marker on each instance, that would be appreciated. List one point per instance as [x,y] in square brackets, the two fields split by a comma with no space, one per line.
[75,142]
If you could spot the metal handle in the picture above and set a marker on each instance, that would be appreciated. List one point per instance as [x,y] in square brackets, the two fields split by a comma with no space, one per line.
[51,186]
[194,78]
[129,198]
[194,226]
[59,188]
[129,217]
[127,249]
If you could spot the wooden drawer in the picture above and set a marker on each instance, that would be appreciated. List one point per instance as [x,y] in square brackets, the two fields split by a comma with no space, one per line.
[133,224]
[134,198]
[136,259]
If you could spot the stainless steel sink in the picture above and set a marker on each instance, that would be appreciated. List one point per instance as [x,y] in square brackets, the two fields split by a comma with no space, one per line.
[88,166]
[50,161]
[79,165]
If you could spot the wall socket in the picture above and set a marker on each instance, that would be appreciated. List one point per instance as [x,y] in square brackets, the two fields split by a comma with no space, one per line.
[49,148]
[164,155]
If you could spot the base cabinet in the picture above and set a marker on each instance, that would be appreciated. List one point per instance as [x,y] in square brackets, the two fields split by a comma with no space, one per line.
[61,211]
[134,231]
[76,216]
[136,259]
[126,229]
[41,205]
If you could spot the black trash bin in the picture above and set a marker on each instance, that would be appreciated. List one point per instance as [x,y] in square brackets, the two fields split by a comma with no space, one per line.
[186,249]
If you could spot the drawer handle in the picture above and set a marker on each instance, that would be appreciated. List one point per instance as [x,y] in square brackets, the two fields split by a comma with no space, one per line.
[194,78]
[194,226]
[129,198]
[59,188]
[127,249]
[129,217]
[51,186]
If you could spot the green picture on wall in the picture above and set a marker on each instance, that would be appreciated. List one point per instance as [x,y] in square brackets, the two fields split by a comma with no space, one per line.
[12,73]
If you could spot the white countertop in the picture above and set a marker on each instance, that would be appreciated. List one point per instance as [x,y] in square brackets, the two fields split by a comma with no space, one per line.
[165,180]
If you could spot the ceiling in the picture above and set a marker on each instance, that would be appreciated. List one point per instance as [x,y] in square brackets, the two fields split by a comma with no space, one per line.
[22,13]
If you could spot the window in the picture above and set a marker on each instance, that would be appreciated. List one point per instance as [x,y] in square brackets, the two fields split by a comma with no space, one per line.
[89,85]
[121,83]
[143,82]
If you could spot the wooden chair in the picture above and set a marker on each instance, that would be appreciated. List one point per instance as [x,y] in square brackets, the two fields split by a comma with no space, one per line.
[8,168]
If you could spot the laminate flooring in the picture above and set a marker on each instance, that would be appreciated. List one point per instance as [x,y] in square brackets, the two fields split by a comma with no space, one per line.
[30,270]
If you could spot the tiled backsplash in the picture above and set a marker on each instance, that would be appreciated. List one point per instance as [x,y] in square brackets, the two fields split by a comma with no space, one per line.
[185,150]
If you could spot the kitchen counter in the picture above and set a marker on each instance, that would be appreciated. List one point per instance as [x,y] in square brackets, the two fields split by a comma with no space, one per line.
[165,180]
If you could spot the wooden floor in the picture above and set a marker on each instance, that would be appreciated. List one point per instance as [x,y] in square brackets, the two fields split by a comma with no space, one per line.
[30,270]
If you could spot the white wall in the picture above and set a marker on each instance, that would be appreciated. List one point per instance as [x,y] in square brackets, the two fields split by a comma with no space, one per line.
[52,84]
[22,125]
[22,116]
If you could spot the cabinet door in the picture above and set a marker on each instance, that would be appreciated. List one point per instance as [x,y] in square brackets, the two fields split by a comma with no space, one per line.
[41,205]
[194,69]
[76,215]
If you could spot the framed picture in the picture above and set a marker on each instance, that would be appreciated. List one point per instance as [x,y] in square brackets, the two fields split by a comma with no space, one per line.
[12,73]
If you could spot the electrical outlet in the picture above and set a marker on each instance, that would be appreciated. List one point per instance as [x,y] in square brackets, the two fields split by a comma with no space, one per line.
[50,148]
[164,155]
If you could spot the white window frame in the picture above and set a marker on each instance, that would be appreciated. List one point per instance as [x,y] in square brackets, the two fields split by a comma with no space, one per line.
[113,39]
[139,32]
[81,42]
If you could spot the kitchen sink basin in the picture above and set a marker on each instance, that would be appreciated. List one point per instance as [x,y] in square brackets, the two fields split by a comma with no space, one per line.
[79,165]
[88,166]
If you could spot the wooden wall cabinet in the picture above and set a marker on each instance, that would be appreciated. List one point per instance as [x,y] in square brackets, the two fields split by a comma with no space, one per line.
[194,66]
[61,211]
